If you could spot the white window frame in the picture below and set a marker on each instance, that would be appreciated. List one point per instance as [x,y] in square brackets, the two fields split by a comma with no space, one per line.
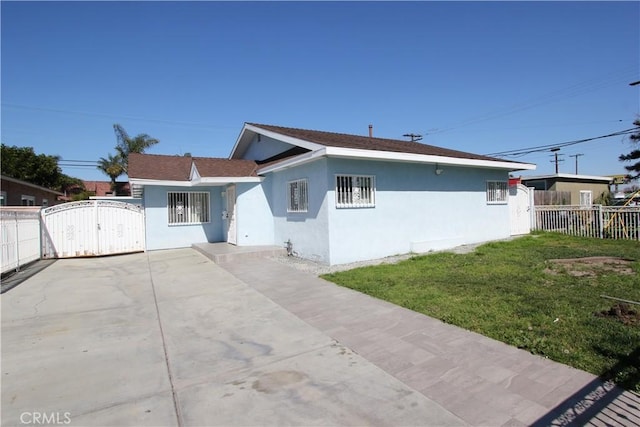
[298,195]
[45,203]
[497,192]
[3,198]
[355,191]
[188,207]
[31,200]
[586,197]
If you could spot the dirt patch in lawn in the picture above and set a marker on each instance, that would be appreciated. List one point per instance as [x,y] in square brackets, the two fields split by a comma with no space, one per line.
[623,313]
[590,266]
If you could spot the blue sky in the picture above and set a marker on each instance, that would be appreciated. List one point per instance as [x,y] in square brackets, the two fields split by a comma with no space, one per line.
[482,77]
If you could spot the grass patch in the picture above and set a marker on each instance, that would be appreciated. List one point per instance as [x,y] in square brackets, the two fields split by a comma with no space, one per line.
[514,292]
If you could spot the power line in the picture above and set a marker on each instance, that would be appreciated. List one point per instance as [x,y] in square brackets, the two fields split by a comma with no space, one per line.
[523,151]
[577,89]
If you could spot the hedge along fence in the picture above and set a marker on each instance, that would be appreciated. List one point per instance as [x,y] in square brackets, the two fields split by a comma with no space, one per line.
[605,222]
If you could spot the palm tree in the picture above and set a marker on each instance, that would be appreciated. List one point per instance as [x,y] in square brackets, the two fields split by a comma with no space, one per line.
[112,166]
[127,145]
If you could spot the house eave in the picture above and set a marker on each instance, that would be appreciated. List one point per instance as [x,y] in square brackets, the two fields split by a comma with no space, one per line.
[353,153]
[294,161]
[603,179]
[197,182]
[218,181]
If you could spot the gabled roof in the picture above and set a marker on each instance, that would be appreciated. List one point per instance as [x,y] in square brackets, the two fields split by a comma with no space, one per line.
[317,144]
[332,139]
[156,169]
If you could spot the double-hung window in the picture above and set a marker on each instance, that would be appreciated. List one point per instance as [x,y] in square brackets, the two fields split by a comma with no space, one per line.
[355,191]
[298,196]
[497,192]
[586,197]
[188,207]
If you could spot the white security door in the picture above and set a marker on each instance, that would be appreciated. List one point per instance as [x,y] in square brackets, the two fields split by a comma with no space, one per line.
[92,228]
[231,215]
[519,209]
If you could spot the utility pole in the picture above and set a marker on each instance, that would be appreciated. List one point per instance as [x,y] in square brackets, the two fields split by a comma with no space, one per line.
[414,136]
[576,156]
[555,153]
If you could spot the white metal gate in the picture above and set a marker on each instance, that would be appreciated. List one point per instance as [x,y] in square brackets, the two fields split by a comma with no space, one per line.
[520,209]
[92,228]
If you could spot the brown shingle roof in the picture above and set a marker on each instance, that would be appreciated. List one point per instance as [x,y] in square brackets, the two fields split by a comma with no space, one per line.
[332,139]
[177,168]
[212,167]
[156,166]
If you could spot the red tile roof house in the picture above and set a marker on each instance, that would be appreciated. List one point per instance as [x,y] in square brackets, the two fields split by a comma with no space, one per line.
[336,198]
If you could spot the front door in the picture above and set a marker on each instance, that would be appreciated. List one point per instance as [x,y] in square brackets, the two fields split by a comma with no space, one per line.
[231,215]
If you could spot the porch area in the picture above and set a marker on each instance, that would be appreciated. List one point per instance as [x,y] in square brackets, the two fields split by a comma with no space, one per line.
[224,252]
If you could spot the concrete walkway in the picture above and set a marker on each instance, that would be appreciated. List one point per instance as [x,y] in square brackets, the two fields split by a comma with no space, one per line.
[169,338]
[480,380]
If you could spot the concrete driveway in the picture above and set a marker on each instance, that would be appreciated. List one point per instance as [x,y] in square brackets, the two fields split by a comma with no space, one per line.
[170,338]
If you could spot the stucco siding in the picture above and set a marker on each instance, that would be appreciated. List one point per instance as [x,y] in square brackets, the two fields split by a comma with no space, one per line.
[415,211]
[265,148]
[575,187]
[161,235]
[254,218]
[308,231]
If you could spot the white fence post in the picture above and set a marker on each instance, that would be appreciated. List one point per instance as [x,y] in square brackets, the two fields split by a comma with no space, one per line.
[600,222]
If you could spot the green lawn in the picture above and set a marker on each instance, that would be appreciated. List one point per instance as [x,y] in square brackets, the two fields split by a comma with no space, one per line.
[510,291]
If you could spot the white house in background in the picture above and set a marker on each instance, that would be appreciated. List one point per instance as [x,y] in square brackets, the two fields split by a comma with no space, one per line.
[337,198]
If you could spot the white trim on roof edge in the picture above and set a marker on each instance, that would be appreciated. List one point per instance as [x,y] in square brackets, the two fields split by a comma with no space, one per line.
[274,135]
[354,153]
[568,176]
[202,182]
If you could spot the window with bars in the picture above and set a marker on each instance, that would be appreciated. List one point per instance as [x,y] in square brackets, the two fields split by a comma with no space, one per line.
[497,192]
[298,196]
[355,191]
[188,207]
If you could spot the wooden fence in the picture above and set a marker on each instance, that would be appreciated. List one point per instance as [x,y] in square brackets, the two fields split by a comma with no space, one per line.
[605,222]
[544,198]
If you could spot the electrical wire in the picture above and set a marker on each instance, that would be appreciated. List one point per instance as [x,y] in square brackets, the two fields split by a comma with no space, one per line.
[525,151]
[577,89]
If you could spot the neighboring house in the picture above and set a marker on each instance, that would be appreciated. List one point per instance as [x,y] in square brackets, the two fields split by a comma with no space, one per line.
[103,188]
[336,198]
[15,192]
[583,189]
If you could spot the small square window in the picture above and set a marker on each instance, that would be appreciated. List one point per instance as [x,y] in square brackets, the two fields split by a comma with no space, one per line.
[497,192]
[355,191]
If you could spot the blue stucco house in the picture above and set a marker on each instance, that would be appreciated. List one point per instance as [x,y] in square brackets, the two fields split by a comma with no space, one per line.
[337,198]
